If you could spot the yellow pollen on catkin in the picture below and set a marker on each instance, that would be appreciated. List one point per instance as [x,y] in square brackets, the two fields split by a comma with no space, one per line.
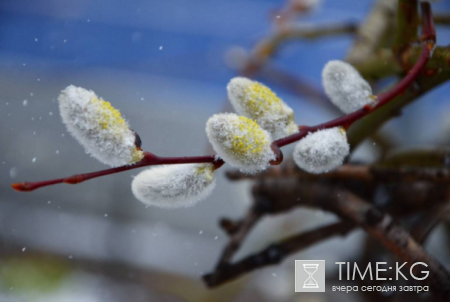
[261,99]
[207,171]
[251,139]
[137,155]
[110,116]
[342,130]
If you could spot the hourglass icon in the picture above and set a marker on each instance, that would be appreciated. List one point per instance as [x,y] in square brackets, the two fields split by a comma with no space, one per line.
[310,269]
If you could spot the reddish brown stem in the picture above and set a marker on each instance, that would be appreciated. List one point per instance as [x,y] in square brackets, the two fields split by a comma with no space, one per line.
[428,38]
[428,30]
[148,160]
[384,98]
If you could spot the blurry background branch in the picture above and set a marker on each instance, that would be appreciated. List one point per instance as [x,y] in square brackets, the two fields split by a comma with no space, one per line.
[351,192]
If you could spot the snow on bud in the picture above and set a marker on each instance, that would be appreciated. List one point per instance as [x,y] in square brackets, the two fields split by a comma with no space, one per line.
[98,126]
[322,151]
[240,142]
[345,87]
[258,102]
[174,186]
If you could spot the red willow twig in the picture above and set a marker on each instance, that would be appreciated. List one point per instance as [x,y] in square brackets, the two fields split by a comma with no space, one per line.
[428,39]
[149,159]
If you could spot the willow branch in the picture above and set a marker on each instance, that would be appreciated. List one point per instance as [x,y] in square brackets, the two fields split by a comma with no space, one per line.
[442,18]
[363,173]
[378,24]
[346,121]
[389,233]
[269,46]
[275,253]
[351,209]
[344,172]
[355,210]
[238,236]
[429,221]
[407,26]
[383,99]
[148,160]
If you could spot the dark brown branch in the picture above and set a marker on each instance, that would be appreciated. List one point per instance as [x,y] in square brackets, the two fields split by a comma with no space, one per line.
[372,32]
[411,174]
[442,18]
[390,234]
[275,253]
[362,173]
[422,229]
[351,208]
[284,194]
[269,45]
[238,236]
[407,26]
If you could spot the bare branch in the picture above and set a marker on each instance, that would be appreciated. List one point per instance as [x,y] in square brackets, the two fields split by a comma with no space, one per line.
[275,253]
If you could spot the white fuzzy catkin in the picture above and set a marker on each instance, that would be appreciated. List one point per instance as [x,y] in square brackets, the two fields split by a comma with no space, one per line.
[322,151]
[174,186]
[98,127]
[240,142]
[345,87]
[258,102]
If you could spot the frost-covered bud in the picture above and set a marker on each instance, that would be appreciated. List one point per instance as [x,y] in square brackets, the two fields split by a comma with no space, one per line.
[322,151]
[174,186]
[345,87]
[99,127]
[240,142]
[258,102]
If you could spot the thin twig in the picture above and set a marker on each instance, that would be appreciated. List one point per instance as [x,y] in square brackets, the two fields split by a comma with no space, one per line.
[238,237]
[429,221]
[370,34]
[148,160]
[275,253]
[407,26]
[268,46]
[394,237]
[352,208]
[442,18]
[363,173]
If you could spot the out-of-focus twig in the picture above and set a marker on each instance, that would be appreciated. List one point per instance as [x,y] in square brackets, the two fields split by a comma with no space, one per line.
[429,221]
[352,208]
[364,173]
[442,18]
[276,253]
[394,237]
[238,236]
[378,24]
[407,27]
[268,46]
[285,195]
